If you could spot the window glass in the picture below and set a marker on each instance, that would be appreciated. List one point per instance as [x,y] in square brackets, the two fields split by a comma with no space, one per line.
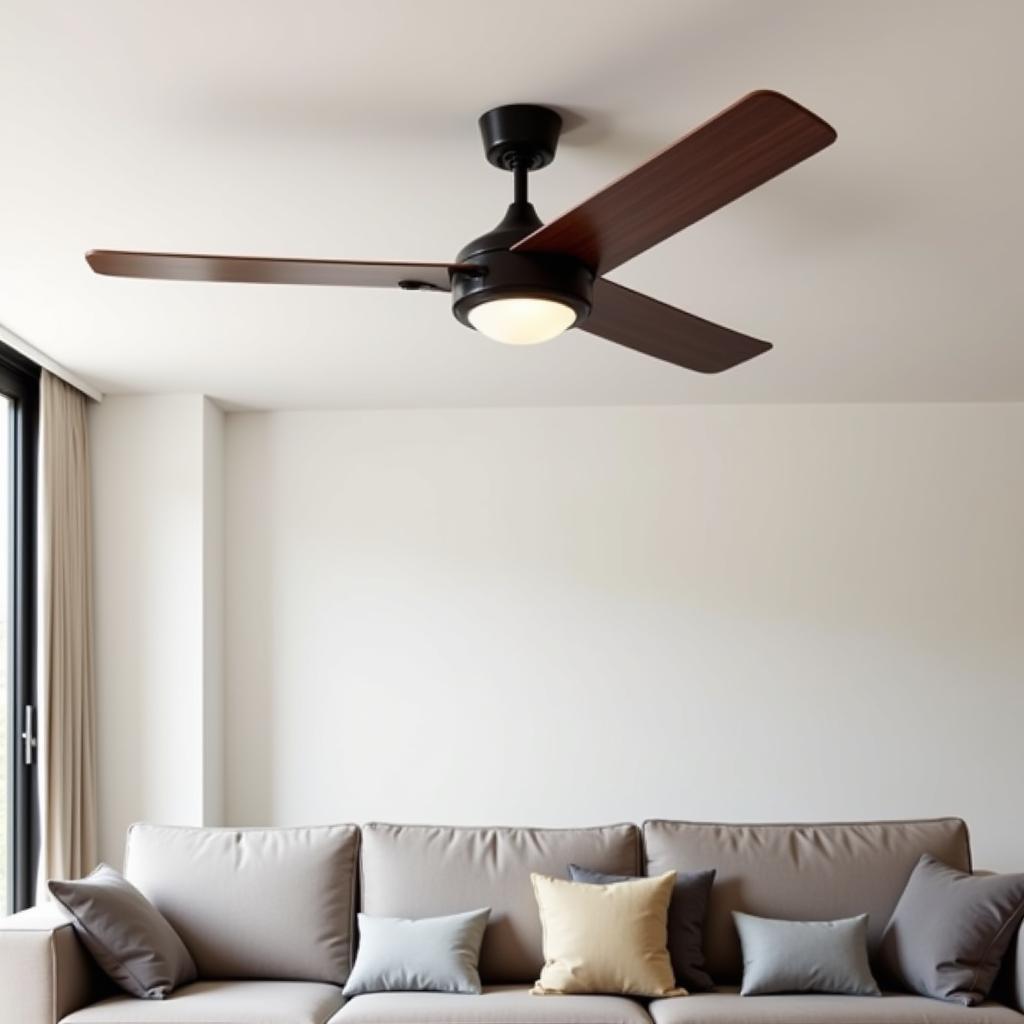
[6,696]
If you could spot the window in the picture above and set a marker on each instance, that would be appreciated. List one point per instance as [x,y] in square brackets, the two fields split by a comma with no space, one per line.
[19,418]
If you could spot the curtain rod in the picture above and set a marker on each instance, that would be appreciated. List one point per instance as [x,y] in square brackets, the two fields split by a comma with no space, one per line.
[19,344]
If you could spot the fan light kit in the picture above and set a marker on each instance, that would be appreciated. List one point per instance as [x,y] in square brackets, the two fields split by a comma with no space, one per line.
[523,320]
[526,282]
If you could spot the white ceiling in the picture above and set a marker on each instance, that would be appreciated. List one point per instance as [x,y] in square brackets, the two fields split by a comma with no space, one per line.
[887,268]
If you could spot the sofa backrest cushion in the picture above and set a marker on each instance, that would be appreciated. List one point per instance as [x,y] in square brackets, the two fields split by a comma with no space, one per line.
[275,903]
[799,872]
[426,871]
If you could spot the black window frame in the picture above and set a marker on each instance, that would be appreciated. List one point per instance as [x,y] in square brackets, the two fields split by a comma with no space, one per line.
[19,382]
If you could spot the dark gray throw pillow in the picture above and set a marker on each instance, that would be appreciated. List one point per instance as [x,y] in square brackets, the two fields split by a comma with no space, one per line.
[805,956]
[585,875]
[127,936]
[949,931]
[686,915]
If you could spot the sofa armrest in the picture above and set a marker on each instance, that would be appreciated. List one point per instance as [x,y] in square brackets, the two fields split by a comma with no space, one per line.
[45,972]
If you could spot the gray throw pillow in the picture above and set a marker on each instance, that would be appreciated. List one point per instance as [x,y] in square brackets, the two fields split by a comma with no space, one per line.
[949,931]
[686,915]
[805,956]
[127,936]
[432,954]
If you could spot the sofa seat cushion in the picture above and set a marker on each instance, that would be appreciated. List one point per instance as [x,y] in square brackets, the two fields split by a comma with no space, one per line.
[727,1006]
[221,1002]
[500,1005]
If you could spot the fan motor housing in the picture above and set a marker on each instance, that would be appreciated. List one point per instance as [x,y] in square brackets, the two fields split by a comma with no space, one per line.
[505,275]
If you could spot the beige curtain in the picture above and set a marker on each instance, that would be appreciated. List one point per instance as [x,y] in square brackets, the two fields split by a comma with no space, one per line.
[66,687]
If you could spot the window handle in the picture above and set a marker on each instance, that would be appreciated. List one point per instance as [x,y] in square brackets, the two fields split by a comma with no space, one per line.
[29,735]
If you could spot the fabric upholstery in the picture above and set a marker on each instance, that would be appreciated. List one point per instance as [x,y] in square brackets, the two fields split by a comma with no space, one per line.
[222,1002]
[432,954]
[128,937]
[728,1007]
[253,903]
[45,971]
[805,956]
[686,915]
[605,938]
[949,931]
[426,871]
[799,872]
[501,1005]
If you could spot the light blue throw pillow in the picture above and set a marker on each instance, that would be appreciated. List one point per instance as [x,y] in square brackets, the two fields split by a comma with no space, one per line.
[432,954]
[805,956]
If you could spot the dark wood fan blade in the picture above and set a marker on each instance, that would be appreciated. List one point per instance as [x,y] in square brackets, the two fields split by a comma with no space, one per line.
[649,326]
[749,143]
[187,267]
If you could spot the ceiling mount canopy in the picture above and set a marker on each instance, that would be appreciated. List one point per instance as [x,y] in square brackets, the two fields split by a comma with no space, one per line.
[524,281]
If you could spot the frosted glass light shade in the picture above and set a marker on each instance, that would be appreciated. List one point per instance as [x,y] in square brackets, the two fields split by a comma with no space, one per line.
[522,321]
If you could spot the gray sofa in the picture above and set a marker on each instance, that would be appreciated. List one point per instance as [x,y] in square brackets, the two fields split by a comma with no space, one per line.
[268,915]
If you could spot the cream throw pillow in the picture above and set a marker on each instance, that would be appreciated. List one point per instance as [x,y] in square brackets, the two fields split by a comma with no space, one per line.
[605,938]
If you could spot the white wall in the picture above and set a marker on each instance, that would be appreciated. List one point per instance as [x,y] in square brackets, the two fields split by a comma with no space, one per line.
[213,613]
[153,501]
[587,615]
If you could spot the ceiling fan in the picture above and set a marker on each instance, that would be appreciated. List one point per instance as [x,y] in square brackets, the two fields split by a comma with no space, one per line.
[525,281]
